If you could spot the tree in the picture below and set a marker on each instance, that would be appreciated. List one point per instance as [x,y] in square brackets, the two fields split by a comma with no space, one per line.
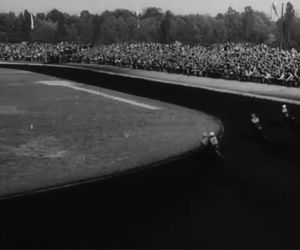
[295,34]
[41,16]
[8,27]
[167,28]
[152,25]
[96,30]
[59,19]
[108,29]
[219,30]
[44,31]
[61,31]
[248,22]
[25,26]
[152,12]
[85,27]
[233,23]
[55,15]
[150,21]
[288,23]
[261,28]
[126,25]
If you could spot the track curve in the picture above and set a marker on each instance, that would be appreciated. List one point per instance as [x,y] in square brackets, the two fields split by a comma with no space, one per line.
[251,198]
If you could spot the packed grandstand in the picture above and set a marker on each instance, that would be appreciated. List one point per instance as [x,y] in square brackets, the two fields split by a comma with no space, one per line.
[238,61]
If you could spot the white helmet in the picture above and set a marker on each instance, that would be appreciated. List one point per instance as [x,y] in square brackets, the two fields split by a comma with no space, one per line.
[284,106]
[212,133]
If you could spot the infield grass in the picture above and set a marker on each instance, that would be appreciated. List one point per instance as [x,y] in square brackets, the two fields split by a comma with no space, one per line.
[54,135]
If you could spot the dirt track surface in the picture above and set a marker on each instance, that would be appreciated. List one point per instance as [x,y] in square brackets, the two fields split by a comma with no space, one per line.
[249,199]
[53,133]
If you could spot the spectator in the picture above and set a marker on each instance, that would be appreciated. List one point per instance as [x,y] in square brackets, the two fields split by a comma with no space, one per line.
[240,61]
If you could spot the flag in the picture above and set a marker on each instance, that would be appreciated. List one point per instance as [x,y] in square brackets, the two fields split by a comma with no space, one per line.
[275,9]
[32,21]
[138,18]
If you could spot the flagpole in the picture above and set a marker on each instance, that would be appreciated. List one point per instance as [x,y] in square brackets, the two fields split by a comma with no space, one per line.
[271,12]
[281,32]
[273,8]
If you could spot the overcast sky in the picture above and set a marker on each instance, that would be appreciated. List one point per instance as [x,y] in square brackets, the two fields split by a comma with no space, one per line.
[211,7]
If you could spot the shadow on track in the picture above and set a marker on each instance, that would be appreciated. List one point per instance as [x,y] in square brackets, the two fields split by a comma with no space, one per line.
[248,199]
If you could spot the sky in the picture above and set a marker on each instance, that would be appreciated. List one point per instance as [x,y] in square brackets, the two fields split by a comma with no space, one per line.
[211,7]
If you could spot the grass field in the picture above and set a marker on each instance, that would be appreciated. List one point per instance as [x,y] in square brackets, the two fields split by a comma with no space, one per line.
[52,135]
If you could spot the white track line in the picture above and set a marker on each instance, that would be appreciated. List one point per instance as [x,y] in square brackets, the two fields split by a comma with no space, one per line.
[95,92]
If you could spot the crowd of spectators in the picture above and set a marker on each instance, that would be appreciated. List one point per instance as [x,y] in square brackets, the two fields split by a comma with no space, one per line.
[40,52]
[243,62]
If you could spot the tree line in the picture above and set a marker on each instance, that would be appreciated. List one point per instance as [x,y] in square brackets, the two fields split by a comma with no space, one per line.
[153,25]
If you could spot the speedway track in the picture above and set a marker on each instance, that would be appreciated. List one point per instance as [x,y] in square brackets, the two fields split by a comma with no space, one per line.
[249,199]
